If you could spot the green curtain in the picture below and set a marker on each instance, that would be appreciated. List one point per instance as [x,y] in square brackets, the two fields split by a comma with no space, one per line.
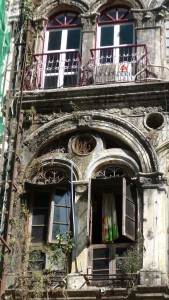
[109,218]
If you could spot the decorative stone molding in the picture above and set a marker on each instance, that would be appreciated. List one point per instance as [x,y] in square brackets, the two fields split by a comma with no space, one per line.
[107,123]
[44,118]
[115,159]
[85,121]
[59,170]
[151,181]
[89,21]
[97,4]
[49,7]
[80,188]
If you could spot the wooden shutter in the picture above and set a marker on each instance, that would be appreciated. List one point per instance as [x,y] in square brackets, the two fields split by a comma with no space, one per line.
[128,211]
[60,213]
[89,224]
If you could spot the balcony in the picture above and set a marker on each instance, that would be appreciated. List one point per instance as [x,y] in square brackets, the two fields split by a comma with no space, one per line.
[53,70]
[108,65]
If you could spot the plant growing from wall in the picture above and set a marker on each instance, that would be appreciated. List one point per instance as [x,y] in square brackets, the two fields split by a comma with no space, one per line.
[131,261]
[28,279]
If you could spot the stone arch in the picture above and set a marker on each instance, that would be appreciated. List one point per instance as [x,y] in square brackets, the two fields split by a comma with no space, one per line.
[54,162]
[102,122]
[50,7]
[115,156]
[97,6]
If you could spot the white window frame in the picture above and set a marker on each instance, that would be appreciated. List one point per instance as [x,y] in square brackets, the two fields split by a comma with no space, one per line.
[61,72]
[116,65]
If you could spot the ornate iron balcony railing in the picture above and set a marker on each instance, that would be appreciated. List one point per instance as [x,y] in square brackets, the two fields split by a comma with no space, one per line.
[53,70]
[117,64]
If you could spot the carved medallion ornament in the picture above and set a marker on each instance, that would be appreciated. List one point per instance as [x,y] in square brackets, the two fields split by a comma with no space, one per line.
[83,144]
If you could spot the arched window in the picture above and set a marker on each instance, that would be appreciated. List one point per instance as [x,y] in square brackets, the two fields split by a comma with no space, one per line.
[115,27]
[115,50]
[50,204]
[62,50]
[113,216]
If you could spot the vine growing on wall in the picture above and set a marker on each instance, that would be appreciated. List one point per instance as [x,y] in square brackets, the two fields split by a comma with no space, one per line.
[28,279]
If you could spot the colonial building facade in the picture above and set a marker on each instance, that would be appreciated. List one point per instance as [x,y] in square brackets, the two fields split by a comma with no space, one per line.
[85,208]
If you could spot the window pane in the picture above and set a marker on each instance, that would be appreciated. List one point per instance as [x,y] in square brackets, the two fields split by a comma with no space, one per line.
[70,80]
[52,22]
[130,209]
[40,217]
[36,261]
[107,36]
[62,198]
[101,253]
[101,264]
[61,214]
[121,12]
[167,24]
[167,42]
[39,234]
[61,18]
[41,199]
[130,227]
[126,34]
[50,82]
[129,191]
[54,40]
[58,228]
[167,33]
[73,39]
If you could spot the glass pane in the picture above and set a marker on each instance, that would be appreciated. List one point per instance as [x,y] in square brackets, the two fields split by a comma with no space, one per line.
[101,253]
[39,234]
[104,18]
[101,264]
[71,16]
[130,209]
[41,199]
[52,22]
[52,63]
[167,33]
[167,24]
[62,198]
[112,13]
[167,42]
[106,56]
[126,34]
[73,39]
[54,42]
[107,36]
[61,18]
[40,217]
[50,82]
[58,228]
[128,191]
[36,261]
[70,80]
[61,214]
[130,227]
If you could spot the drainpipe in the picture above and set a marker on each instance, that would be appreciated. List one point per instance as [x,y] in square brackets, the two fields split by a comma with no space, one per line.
[74,222]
